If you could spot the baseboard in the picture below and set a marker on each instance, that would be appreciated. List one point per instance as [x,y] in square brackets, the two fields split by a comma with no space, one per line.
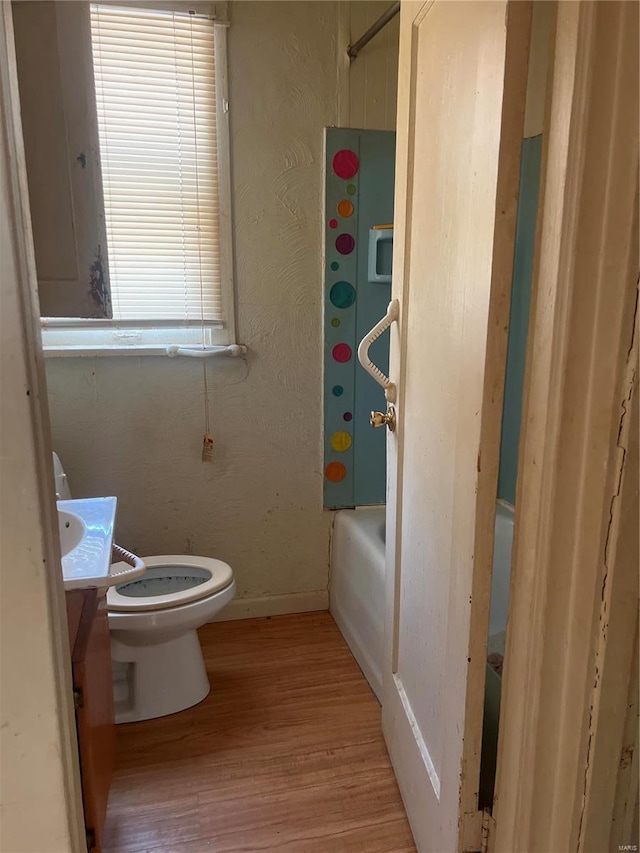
[274,605]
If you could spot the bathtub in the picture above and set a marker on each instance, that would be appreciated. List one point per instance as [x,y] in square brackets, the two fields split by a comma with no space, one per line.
[356,589]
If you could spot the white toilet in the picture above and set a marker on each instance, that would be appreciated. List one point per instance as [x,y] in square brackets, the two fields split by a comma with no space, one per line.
[158,668]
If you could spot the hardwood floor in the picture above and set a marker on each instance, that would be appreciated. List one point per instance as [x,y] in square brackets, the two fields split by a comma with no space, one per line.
[285,754]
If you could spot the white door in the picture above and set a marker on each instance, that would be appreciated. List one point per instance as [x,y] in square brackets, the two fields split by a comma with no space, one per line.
[462,84]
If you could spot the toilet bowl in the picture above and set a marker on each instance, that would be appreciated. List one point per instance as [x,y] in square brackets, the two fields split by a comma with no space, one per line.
[158,668]
[157,662]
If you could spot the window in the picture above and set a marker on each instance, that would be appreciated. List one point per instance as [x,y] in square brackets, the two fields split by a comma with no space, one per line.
[161,108]
[156,103]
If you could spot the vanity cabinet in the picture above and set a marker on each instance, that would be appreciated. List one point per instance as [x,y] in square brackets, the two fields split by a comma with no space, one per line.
[93,698]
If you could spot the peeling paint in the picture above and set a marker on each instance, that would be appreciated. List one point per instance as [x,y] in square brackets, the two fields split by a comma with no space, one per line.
[98,288]
[627,756]
[628,388]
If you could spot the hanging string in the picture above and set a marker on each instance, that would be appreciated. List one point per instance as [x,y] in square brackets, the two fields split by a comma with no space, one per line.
[207,443]
[207,423]
[195,142]
[181,159]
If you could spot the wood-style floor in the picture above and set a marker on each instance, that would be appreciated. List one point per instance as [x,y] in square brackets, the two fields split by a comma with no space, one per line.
[285,754]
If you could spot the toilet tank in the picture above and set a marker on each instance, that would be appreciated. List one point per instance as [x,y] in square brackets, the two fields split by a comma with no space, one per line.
[63,492]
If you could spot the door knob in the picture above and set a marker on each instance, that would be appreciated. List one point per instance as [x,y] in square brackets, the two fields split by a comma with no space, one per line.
[379,419]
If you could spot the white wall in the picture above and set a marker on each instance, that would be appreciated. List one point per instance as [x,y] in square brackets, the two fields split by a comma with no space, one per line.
[133,427]
[373,76]
[39,775]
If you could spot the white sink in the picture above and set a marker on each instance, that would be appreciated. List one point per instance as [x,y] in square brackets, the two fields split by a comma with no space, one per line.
[72,529]
[86,536]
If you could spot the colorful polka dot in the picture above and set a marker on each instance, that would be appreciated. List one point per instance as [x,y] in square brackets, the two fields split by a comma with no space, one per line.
[345,163]
[335,471]
[335,265]
[351,189]
[341,353]
[333,223]
[335,322]
[345,208]
[341,441]
[342,294]
[347,416]
[337,390]
[345,244]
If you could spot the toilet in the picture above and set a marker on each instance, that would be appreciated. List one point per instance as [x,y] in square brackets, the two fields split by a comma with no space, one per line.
[158,668]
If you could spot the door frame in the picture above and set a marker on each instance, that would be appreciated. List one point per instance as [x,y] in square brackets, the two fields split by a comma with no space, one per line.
[40,767]
[479,481]
[555,790]
[538,719]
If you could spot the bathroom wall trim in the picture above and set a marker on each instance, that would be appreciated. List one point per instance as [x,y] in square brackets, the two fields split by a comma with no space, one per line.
[274,605]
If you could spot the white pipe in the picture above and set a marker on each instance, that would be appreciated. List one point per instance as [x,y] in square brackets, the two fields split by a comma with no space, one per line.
[354,49]
[232,351]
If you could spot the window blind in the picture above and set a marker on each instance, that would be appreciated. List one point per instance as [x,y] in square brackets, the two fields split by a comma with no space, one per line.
[156,105]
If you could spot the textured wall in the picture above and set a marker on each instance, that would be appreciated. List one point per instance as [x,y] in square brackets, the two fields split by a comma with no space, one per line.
[373,76]
[38,752]
[133,426]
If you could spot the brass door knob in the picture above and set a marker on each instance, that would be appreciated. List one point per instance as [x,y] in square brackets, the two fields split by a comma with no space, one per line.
[379,419]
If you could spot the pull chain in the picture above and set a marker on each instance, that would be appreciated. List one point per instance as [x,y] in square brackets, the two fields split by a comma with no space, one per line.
[207,441]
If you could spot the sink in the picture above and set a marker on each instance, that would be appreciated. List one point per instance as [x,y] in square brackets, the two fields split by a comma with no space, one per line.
[72,529]
[86,536]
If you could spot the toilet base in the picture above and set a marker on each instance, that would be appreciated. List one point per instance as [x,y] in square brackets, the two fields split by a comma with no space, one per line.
[156,680]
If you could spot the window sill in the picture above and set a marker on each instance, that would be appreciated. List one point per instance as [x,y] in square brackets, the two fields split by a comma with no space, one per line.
[70,338]
[171,350]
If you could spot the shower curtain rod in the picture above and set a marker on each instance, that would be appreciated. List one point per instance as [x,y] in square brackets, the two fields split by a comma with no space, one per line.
[354,49]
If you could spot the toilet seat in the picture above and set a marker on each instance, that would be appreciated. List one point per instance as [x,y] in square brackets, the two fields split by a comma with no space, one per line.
[170,581]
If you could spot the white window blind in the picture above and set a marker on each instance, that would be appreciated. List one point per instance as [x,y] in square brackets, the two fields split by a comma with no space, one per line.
[156,104]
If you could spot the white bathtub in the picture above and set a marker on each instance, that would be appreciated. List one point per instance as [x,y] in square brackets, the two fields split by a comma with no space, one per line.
[356,590]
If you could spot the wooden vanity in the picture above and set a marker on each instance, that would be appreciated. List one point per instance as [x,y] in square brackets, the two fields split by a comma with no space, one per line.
[91,563]
[93,699]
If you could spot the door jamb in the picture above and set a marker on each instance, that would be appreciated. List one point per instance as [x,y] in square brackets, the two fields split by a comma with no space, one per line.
[61,760]
[580,377]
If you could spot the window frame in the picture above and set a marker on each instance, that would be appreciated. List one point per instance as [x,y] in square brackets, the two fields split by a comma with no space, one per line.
[72,336]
